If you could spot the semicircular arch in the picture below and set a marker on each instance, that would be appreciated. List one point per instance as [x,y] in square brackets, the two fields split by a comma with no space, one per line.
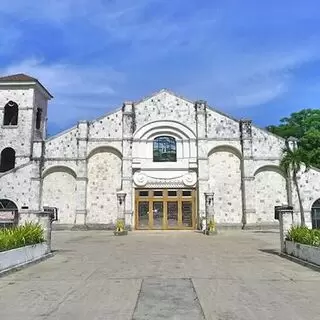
[273,168]
[59,168]
[7,204]
[101,149]
[174,128]
[225,148]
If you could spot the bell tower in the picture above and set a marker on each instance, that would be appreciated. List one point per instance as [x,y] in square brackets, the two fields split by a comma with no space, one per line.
[23,120]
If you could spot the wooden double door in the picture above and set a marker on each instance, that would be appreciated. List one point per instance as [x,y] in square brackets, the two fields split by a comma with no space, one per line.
[162,209]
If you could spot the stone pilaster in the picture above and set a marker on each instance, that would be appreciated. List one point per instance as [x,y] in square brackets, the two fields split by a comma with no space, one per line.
[82,180]
[202,154]
[128,128]
[247,177]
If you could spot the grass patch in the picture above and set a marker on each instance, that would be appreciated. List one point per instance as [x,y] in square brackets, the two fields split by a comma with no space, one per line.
[304,235]
[20,236]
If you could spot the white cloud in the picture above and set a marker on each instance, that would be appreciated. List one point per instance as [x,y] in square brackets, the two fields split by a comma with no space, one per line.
[78,90]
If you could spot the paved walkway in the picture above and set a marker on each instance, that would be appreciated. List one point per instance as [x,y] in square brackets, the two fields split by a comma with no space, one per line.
[169,275]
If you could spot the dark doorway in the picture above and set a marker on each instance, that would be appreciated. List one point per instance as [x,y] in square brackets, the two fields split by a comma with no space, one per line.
[7,160]
[10,114]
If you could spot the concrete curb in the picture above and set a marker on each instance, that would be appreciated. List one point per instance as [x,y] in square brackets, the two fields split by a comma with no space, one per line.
[25,264]
[300,261]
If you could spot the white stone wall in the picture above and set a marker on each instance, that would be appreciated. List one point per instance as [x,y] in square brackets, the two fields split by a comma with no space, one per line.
[59,190]
[309,183]
[40,101]
[63,145]
[266,144]
[104,180]
[107,127]
[165,106]
[225,182]
[17,137]
[270,192]
[220,126]
[18,186]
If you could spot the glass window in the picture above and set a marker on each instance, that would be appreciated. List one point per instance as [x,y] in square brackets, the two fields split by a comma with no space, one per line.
[172,193]
[315,215]
[157,193]
[143,193]
[164,149]
[186,193]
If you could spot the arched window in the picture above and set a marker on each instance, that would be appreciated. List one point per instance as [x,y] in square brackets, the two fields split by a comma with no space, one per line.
[38,118]
[315,215]
[164,149]
[10,114]
[7,160]
[7,204]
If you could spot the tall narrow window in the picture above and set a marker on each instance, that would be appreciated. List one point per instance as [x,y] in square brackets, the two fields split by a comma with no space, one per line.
[38,119]
[315,215]
[164,149]
[7,159]
[10,114]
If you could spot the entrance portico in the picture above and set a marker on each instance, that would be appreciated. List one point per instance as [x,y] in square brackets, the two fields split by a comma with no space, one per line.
[165,209]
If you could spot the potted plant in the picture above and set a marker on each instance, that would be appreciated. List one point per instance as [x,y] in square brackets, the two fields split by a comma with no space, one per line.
[120,228]
[211,228]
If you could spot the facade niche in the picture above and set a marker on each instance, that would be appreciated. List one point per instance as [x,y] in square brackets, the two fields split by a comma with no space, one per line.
[7,159]
[10,114]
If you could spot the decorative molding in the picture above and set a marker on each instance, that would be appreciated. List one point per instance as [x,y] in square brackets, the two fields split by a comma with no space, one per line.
[185,180]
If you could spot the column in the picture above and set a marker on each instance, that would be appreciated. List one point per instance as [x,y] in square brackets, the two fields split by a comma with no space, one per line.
[247,177]
[45,221]
[286,222]
[82,180]
[202,157]
[128,128]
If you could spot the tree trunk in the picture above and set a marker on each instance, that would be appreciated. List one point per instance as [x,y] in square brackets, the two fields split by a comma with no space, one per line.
[294,176]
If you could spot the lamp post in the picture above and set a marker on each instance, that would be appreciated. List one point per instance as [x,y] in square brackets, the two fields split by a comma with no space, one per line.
[121,204]
[209,199]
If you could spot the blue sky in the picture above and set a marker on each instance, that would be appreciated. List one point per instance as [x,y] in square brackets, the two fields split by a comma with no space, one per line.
[256,59]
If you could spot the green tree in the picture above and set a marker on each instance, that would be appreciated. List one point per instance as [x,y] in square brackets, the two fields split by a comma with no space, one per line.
[292,162]
[305,126]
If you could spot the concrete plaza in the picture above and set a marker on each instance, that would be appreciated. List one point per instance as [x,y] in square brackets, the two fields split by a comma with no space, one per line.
[162,275]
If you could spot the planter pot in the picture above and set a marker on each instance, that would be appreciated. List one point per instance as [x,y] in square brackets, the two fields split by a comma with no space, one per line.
[211,233]
[303,252]
[23,255]
[121,233]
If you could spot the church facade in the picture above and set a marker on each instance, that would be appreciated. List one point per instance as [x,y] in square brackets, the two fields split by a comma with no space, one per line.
[161,154]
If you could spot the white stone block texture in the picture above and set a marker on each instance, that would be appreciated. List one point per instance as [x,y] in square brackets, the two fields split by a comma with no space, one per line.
[107,127]
[225,182]
[62,146]
[165,106]
[270,192]
[104,180]
[220,126]
[59,189]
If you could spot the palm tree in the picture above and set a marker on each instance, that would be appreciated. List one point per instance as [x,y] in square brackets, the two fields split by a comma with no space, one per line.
[292,161]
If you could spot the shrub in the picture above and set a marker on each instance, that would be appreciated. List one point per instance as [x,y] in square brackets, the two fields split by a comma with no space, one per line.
[304,235]
[20,236]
